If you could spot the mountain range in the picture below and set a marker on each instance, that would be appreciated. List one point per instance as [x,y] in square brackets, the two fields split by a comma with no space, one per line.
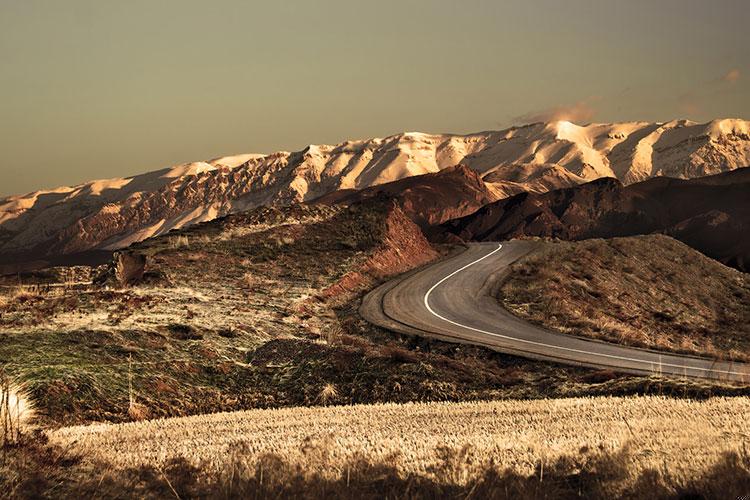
[536,158]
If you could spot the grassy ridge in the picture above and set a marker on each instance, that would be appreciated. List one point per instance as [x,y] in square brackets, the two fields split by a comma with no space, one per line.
[644,291]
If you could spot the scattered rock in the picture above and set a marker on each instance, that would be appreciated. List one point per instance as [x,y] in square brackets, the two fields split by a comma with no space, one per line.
[129,268]
[228,333]
[181,331]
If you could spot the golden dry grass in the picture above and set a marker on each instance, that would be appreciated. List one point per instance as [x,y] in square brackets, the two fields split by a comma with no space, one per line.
[179,241]
[675,437]
[645,291]
[16,411]
[19,292]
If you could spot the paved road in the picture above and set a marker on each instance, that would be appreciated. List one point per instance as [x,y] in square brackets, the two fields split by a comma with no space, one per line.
[454,300]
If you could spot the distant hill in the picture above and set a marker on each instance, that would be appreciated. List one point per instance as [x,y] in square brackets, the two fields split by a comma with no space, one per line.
[426,199]
[711,214]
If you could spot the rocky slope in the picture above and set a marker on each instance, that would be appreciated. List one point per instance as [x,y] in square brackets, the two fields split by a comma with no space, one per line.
[426,199]
[710,214]
[114,213]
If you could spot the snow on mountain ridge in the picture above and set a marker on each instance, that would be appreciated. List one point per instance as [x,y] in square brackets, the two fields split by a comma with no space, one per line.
[536,157]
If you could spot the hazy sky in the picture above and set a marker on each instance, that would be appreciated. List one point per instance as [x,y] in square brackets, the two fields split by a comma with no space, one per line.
[99,88]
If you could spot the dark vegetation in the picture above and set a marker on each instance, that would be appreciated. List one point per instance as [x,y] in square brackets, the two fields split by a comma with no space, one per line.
[710,214]
[35,469]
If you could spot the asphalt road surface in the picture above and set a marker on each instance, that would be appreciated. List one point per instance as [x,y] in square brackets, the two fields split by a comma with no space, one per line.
[454,300]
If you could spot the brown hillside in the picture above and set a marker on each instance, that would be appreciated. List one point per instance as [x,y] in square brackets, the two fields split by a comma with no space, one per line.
[646,291]
[711,214]
[427,199]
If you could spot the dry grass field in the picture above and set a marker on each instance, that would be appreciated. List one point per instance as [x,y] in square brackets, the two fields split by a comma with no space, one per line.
[611,445]
[645,291]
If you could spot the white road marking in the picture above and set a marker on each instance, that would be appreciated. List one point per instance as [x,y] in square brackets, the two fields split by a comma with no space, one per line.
[541,344]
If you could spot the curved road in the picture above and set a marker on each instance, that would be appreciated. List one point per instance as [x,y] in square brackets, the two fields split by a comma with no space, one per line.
[454,300]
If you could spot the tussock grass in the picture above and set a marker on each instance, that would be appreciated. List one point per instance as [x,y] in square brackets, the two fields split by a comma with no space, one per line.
[16,411]
[332,335]
[328,394]
[20,292]
[179,241]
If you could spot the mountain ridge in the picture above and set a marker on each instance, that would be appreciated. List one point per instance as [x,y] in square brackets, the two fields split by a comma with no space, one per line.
[709,214]
[111,214]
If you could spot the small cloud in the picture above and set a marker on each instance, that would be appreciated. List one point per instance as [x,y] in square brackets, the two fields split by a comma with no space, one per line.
[581,112]
[732,76]
[690,105]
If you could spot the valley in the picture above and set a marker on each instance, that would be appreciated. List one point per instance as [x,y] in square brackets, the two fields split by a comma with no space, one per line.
[258,310]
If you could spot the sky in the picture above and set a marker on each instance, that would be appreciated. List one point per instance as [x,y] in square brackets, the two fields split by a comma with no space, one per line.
[103,88]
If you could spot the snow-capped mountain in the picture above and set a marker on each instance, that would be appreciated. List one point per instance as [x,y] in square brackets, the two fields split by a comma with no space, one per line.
[113,213]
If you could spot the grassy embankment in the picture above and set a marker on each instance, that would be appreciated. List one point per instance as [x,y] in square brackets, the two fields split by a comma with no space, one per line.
[644,291]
